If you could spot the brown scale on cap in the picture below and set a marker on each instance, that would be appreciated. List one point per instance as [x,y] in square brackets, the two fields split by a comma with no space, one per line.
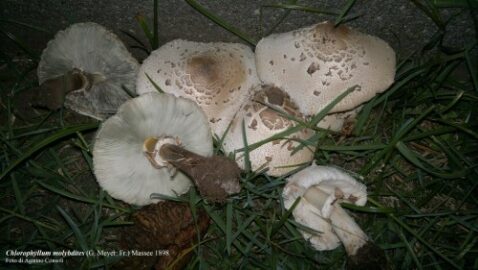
[267,116]
[326,34]
[263,119]
[278,99]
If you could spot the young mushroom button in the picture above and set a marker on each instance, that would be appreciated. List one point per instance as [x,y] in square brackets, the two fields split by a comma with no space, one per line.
[91,66]
[316,64]
[219,77]
[137,151]
[322,189]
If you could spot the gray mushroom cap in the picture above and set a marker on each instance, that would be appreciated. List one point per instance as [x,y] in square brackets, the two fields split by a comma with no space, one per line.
[121,165]
[316,64]
[102,59]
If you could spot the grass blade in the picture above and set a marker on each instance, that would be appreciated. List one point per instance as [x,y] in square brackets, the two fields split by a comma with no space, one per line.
[76,230]
[68,131]
[344,12]
[144,26]
[229,213]
[156,86]
[155,43]
[211,16]
[332,12]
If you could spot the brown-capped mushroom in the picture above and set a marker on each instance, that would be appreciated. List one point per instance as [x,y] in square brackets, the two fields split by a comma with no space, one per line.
[219,77]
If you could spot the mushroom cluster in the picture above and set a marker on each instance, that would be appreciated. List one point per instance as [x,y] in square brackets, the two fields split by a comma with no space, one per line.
[89,68]
[255,103]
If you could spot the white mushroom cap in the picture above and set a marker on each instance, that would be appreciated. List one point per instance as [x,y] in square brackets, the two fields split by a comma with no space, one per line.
[331,181]
[217,76]
[120,164]
[103,59]
[262,122]
[316,64]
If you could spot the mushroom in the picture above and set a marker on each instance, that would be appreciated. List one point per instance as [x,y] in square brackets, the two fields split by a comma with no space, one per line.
[321,188]
[316,64]
[262,120]
[219,77]
[137,149]
[91,66]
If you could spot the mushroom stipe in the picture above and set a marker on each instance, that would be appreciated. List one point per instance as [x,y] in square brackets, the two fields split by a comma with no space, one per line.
[215,177]
[51,93]
[362,253]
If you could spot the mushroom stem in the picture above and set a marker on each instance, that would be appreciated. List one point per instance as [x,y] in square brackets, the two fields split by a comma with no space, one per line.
[361,252]
[53,91]
[216,177]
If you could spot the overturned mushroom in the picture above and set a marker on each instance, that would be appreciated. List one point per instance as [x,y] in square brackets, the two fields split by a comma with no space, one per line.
[87,67]
[322,188]
[316,64]
[262,119]
[137,150]
[219,77]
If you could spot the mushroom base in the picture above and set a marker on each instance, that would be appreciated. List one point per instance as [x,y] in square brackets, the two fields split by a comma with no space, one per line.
[215,177]
[168,226]
[368,257]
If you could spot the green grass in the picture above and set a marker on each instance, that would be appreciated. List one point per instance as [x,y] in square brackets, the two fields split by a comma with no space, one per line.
[415,145]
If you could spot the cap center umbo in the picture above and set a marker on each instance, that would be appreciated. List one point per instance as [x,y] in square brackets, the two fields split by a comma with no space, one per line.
[204,70]
[216,74]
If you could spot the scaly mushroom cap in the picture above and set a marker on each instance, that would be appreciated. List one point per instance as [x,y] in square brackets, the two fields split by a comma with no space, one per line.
[121,165]
[316,64]
[219,77]
[104,62]
[262,122]
[337,185]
